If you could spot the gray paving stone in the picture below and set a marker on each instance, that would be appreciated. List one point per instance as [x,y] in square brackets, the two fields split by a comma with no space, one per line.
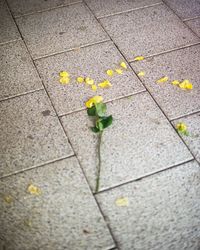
[8,28]
[17,73]
[60,29]
[105,8]
[140,142]
[194,25]
[162,213]
[92,61]
[193,140]
[64,216]
[30,133]
[177,65]
[184,8]
[148,31]
[24,7]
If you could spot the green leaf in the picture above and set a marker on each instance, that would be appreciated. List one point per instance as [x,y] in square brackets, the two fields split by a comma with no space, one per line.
[107,121]
[100,109]
[95,129]
[91,111]
[99,124]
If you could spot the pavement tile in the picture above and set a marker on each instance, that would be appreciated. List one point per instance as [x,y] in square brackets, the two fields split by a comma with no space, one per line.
[162,213]
[184,8]
[148,31]
[141,141]
[194,25]
[177,65]
[24,7]
[64,216]
[30,133]
[8,28]
[92,61]
[193,140]
[60,29]
[103,8]
[17,73]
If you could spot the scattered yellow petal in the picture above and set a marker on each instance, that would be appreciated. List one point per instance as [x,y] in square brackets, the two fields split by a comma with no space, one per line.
[186,84]
[189,86]
[175,82]
[141,73]
[93,100]
[109,72]
[138,58]
[122,202]
[80,79]
[163,79]
[8,199]
[94,87]
[28,223]
[123,65]
[33,190]
[119,71]
[105,84]
[64,80]
[89,81]
[64,74]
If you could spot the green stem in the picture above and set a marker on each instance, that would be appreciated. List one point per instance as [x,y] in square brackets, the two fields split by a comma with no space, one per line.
[99,164]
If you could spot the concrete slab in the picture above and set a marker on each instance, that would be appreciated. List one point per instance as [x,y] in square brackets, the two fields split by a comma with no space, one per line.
[31,134]
[194,25]
[162,212]
[17,72]
[64,216]
[148,31]
[140,142]
[60,29]
[92,61]
[177,65]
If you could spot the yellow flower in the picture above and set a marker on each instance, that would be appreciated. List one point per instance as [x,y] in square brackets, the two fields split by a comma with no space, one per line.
[138,58]
[93,100]
[64,80]
[109,72]
[64,74]
[122,202]
[105,84]
[163,79]
[8,199]
[119,71]
[80,79]
[89,81]
[123,65]
[175,82]
[94,87]
[186,84]
[33,190]
[141,73]
[182,128]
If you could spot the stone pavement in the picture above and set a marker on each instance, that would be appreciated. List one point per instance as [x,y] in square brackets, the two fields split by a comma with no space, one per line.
[149,197]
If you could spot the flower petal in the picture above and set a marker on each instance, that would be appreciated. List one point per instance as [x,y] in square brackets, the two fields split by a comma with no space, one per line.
[64,80]
[109,72]
[94,87]
[141,73]
[93,100]
[8,199]
[138,58]
[163,79]
[119,71]
[80,79]
[105,84]
[33,190]
[89,81]
[175,82]
[122,202]
[123,65]
[64,74]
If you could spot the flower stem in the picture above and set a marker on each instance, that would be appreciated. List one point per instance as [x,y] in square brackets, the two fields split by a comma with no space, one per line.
[99,164]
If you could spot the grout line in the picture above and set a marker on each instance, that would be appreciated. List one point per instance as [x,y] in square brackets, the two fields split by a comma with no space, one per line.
[191,18]
[36,166]
[169,51]
[184,116]
[21,94]
[44,10]
[145,176]
[72,49]
[128,11]
[10,41]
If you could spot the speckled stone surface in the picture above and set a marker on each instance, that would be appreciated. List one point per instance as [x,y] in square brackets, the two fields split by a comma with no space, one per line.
[30,133]
[162,213]
[92,61]
[24,7]
[177,65]
[193,140]
[105,8]
[8,28]
[194,25]
[184,8]
[148,31]
[17,73]
[60,29]
[140,142]
[64,216]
